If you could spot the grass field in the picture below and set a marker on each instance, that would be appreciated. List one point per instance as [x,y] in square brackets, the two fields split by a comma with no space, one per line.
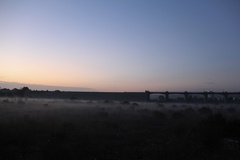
[102,130]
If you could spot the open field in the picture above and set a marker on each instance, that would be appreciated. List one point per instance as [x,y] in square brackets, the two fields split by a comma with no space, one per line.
[94,130]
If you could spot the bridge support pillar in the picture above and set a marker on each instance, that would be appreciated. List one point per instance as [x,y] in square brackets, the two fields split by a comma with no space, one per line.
[167,95]
[147,96]
[186,96]
[225,94]
[205,96]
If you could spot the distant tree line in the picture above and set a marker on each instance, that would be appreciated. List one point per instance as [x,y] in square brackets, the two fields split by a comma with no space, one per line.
[22,92]
[5,92]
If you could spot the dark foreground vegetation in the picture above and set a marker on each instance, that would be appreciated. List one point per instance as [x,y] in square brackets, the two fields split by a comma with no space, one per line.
[42,130]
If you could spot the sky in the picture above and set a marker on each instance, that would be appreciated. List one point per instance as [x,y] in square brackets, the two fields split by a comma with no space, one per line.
[121,45]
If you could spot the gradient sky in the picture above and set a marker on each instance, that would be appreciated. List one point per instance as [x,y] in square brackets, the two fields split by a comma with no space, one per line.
[122,45]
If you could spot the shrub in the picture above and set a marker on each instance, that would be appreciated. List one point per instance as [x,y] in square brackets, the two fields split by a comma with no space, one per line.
[232,129]
[21,101]
[125,102]
[132,107]
[144,111]
[211,131]
[6,101]
[107,101]
[73,98]
[189,110]
[177,115]
[183,106]
[135,104]
[205,110]
[160,105]
[103,114]
[231,109]
[159,115]
[90,102]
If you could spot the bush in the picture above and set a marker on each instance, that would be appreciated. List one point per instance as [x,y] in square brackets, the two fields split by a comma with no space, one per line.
[73,98]
[135,104]
[125,102]
[103,114]
[107,101]
[205,110]
[211,131]
[144,111]
[90,102]
[5,101]
[231,109]
[21,101]
[189,110]
[159,115]
[160,105]
[183,106]
[232,129]
[132,107]
[177,115]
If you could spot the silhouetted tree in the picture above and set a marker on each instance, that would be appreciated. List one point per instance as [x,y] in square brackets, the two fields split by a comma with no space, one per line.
[24,91]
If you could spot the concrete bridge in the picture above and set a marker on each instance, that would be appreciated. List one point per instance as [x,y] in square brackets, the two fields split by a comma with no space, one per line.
[135,96]
[195,96]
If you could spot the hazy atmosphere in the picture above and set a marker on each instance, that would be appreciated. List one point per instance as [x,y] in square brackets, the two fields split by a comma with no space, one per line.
[127,45]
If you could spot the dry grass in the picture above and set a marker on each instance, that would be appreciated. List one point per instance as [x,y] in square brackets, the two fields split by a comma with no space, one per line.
[74,129]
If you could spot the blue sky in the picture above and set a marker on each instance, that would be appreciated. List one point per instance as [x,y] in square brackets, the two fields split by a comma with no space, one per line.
[127,45]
